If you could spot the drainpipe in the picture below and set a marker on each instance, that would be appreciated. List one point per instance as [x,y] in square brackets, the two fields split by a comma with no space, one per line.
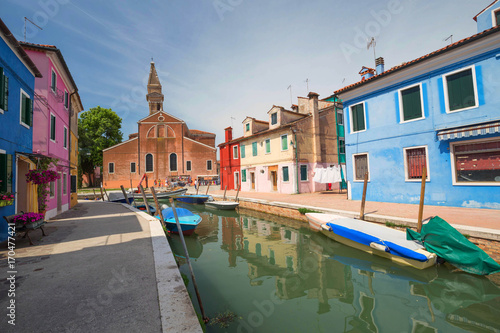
[294,131]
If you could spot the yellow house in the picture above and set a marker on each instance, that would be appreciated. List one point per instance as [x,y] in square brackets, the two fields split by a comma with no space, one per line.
[76,107]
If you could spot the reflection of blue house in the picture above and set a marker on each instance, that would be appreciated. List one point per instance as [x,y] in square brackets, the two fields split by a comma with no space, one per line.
[17,82]
[441,111]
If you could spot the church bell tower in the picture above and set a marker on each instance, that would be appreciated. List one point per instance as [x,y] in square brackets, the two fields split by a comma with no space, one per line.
[154,96]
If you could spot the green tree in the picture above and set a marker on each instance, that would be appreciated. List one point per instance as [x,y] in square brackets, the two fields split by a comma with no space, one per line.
[98,129]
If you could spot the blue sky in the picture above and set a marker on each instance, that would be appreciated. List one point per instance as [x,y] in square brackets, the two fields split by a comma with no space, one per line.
[224,59]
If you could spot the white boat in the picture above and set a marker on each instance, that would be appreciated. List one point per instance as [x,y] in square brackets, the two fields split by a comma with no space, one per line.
[223,205]
[375,239]
[316,220]
[162,194]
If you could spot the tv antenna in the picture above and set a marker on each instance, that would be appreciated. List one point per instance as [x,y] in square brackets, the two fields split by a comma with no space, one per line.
[450,37]
[27,19]
[307,84]
[371,43]
[232,121]
[290,87]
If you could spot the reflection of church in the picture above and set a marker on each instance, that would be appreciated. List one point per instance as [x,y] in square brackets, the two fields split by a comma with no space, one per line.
[164,147]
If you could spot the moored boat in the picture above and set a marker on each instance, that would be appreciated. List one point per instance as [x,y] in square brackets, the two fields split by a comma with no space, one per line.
[187,220]
[378,240]
[316,220]
[143,208]
[222,205]
[164,194]
[193,198]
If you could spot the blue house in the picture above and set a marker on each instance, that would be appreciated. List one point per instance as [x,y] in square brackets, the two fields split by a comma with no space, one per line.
[17,82]
[440,111]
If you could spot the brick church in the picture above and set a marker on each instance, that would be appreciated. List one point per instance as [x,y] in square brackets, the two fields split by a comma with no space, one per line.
[163,147]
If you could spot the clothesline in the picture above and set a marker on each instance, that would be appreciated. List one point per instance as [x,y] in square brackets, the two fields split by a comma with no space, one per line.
[329,175]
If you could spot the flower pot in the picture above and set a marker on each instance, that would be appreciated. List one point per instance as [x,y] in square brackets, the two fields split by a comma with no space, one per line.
[4,203]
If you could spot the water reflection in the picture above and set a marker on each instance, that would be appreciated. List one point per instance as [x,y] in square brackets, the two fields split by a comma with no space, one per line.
[279,276]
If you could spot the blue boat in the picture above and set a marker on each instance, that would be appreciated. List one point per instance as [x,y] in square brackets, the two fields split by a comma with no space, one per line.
[187,220]
[143,208]
[193,198]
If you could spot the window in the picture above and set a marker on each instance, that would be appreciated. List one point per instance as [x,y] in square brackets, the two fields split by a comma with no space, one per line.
[65,140]
[188,165]
[149,162]
[111,167]
[53,81]
[132,167]
[274,118]
[5,172]
[340,117]
[361,167]
[341,146]
[303,172]
[209,165]
[235,152]
[460,90]
[236,179]
[52,128]
[285,173]
[415,161]
[4,91]
[254,148]
[410,103]
[284,142]
[247,127]
[52,189]
[66,99]
[73,183]
[476,162]
[496,17]
[242,148]
[65,183]
[358,117]
[244,175]
[173,162]
[268,146]
[26,109]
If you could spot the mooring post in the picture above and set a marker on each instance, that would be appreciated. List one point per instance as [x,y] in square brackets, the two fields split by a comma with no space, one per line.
[95,195]
[362,213]
[238,192]
[205,318]
[158,209]
[102,194]
[125,195]
[422,195]
[224,198]
[207,188]
[145,199]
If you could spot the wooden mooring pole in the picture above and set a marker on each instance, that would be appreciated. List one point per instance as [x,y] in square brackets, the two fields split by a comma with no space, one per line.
[224,198]
[102,194]
[125,195]
[207,188]
[95,195]
[158,208]
[237,192]
[145,199]
[362,213]
[422,195]
[205,318]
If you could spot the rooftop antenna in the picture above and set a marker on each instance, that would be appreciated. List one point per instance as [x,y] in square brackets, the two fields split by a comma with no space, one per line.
[232,121]
[290,87]
[307,84]
[450,37]
[371,43]
[27,19]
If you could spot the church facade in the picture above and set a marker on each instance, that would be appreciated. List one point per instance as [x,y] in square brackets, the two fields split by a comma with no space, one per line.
[163,148]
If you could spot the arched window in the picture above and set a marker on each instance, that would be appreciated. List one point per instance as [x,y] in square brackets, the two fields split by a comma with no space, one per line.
[149,162]
[173,162]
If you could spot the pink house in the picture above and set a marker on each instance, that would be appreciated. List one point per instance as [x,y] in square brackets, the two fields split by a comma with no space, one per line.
[51,119]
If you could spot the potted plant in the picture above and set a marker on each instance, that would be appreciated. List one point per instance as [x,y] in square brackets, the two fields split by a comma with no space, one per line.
[6,199]
[42,177]
[29,220]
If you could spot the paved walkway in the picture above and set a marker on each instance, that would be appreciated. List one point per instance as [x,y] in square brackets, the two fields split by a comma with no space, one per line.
[101,268]
[472,217]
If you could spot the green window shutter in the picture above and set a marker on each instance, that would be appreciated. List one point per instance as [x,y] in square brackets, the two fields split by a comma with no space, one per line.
[29,112]
[4,91]
[53,81]
[1,88]
[303,172]
[497,17]
[268,146]
[358,118]
[254,148]
[3,173]
[247,127]
[52,127]
[412,105]
[23,109]
[274,118]
[461,90]
[285,174]
[244,175]
[242,150]
[284,142]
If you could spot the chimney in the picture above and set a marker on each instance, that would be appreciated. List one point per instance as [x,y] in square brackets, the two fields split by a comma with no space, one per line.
[366,73]
[379,63]
[229,133]
[313,104]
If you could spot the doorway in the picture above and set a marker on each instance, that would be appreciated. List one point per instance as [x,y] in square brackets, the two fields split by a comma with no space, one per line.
[273,173]
[252,179]
[59,194]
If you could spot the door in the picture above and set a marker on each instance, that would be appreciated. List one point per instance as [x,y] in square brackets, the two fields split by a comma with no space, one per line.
[252,180]
[59,194]
[236,180]
[274,180]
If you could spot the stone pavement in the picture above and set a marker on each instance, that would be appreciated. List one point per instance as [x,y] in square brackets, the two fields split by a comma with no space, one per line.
[474,218]
[102,267]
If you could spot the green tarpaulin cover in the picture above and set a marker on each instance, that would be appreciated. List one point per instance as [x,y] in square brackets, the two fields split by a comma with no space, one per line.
[442,239]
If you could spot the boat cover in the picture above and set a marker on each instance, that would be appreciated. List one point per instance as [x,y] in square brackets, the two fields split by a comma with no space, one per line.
[442,239]
[185,216]
[368,238]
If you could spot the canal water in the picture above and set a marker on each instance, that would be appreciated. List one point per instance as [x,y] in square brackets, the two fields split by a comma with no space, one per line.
[276,275]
